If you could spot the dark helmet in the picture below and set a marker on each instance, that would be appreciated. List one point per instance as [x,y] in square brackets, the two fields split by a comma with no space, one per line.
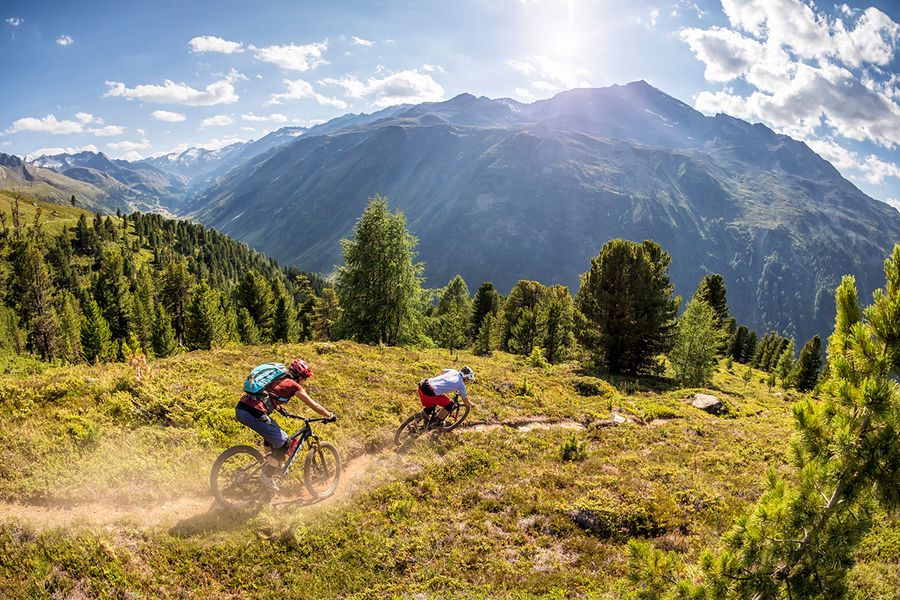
[299,369]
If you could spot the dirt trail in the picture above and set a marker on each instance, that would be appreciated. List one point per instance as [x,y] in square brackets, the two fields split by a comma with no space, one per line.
[195,513]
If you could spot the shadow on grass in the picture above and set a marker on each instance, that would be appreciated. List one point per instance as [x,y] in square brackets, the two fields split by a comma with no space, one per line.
[216,519]
[630,384]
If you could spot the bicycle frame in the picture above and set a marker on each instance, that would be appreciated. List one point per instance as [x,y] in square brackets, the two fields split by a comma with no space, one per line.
[305,434]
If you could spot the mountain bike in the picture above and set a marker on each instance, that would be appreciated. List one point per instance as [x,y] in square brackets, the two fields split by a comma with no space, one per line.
[235,475]
[425,421]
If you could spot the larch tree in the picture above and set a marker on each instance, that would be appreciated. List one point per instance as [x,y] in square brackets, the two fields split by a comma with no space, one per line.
[380,285]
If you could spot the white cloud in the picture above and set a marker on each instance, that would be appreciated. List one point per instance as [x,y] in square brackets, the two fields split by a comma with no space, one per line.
[132,156]
[404,87]
[219,92]
[893,202]
[211,43]
[361,42]
[548,74]
[432,68]
[298,89]
[727,54]
[58,150]
[129,146]
[274,117]
[87,118]
[217,121]
[65,40]
[48,124]
[15,21]
[871,168]
[654,14]
[245,128]
[168,116]
[807,69]
[524,95]
[107,131]
[293,57]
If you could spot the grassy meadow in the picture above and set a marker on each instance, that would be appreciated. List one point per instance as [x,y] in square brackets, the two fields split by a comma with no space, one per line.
[104,480]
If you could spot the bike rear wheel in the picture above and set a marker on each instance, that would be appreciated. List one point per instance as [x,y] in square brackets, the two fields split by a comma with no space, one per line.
[411,428]
[322,470]
[234,479]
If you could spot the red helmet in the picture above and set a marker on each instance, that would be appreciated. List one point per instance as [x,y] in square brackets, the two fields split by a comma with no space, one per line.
[300,369]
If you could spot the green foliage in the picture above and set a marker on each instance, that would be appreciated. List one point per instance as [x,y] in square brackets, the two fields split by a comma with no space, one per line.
[785,365]
[536,359]
[255,296]
[524,317]
[573,449]
[326,315]
[805,374]
[801,538]
[487,339]
[712,291]
[560,320]
[697,339]
[379,286]
[164,342]
[625,310]
[487,301]
[96,340]
[205,325]
[284,315]
[70,327]
[453,314]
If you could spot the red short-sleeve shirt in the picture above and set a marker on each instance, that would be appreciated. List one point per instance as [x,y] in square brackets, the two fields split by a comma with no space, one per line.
[284,389]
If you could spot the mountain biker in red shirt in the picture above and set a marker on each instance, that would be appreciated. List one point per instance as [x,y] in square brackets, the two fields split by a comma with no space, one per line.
[254,413]
[433,392]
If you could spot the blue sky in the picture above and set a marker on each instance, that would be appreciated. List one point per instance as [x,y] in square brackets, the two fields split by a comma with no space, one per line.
[134,79]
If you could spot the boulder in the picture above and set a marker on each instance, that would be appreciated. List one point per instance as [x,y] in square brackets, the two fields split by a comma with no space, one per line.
[709,403]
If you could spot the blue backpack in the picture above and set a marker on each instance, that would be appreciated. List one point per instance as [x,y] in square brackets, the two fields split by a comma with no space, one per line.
[260,377]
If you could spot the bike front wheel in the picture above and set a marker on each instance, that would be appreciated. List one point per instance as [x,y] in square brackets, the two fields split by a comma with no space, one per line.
[322,470]
[455,417]
[234,479]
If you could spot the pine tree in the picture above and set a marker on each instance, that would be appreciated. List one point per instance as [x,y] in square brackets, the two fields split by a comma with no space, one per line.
[379,286]
[96,339]
[30,290]
[786,364]
[802,537]
[736,349]
[326,314]
[697,337]
[559,323]
[284,315]
[143,314]
[247,329]
[175,291]
[204,321]
[626,311]
[806,371]
[112,292]
[255,295]
[524,317]
[454,312]
[749,348]
[487,300]
[164,342]
[712,291]
[70,327]
[486,340]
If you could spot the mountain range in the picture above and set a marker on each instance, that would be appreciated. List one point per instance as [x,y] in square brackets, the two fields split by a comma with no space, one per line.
[500,190]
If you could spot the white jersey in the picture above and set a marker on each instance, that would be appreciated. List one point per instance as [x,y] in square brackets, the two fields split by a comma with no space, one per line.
[448,382]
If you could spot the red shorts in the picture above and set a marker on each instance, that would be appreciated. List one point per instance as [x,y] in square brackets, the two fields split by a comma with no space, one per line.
[428,401]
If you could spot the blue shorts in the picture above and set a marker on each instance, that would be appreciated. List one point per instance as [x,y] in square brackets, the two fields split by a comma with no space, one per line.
[264,425]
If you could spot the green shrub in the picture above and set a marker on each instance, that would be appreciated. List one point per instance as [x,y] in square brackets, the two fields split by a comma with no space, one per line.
[572,449]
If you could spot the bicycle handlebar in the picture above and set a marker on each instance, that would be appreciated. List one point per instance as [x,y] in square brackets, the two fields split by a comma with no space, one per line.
[291,415]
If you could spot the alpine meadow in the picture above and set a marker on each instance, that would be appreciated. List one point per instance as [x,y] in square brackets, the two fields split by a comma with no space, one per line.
[504,299]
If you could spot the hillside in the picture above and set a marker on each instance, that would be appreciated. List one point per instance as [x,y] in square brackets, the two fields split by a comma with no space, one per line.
[488,511]
[498,190]
[48,185]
